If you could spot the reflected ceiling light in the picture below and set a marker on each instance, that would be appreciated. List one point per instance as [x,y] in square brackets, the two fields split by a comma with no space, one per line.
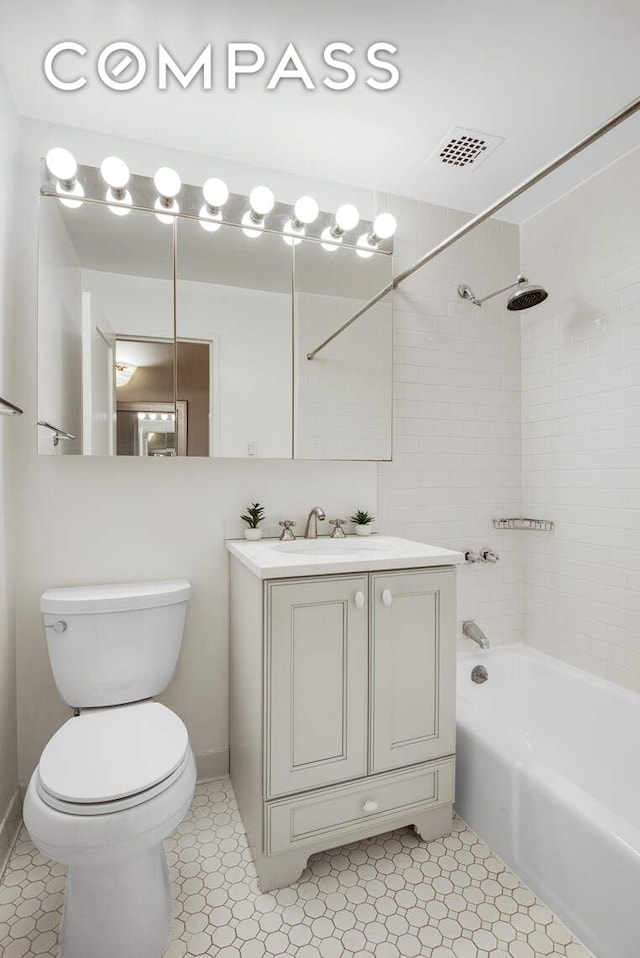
[384,226]
[332,243]
[262,202]
[216,194]
[124,372]
[304,212]
[168,184]
[63,167]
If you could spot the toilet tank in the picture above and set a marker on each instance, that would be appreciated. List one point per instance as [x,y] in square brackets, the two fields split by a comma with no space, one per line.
[112,644]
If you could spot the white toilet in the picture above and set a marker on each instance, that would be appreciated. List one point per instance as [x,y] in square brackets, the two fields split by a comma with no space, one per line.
[118,777]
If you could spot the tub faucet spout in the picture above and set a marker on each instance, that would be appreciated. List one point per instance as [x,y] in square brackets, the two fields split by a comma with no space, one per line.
[473,631]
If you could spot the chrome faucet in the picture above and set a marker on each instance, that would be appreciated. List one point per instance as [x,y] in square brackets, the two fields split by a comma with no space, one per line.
[311,532]
[473,631]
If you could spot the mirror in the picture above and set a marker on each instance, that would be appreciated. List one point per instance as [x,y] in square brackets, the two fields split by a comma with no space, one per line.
[233,304]
[167,339]
[343,395]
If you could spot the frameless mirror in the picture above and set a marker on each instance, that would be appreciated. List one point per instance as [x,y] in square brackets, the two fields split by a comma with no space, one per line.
[234,329]
[343,395]
[105,332]
[158,337]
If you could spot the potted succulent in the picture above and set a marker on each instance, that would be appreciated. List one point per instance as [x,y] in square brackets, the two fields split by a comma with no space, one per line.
[254,515]
[362,522]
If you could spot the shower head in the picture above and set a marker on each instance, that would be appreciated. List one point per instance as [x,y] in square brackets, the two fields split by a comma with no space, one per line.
[526,295]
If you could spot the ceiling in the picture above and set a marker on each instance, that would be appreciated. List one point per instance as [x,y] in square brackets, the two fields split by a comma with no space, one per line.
[539,73]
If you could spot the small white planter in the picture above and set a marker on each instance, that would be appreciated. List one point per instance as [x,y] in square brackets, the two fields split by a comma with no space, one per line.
[362,530]
[253,534]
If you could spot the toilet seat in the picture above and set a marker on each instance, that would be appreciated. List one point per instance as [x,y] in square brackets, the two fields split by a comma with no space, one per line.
[107,760]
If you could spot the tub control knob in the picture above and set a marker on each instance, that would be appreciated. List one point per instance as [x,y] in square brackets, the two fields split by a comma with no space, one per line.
[370,807]
[58,626]
[488,555]
[472,557]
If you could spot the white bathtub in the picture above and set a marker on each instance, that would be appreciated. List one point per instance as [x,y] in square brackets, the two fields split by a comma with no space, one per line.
[548,773]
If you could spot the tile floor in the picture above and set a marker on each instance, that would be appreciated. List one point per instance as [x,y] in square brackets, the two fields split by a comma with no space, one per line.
[390,896]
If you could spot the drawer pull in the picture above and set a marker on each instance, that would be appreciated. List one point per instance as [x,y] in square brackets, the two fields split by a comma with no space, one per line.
[359,600]
[387,597]
[369,807]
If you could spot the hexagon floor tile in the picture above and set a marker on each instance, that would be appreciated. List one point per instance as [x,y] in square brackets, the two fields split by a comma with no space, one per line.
[392,896]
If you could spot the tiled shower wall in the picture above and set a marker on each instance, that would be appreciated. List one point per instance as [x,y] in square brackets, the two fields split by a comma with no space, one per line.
[581,426]
[456,426]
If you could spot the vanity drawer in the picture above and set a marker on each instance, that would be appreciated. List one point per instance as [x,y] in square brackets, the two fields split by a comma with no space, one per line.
[346,811]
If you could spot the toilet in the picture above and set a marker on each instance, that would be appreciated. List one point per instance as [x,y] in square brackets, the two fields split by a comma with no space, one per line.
[118,777]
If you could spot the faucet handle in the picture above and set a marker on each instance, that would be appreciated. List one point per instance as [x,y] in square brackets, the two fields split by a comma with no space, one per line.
[338,532]
[488,555]
[287,535]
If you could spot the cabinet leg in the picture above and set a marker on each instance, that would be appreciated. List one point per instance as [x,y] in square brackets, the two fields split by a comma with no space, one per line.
[278,871]
[434,824]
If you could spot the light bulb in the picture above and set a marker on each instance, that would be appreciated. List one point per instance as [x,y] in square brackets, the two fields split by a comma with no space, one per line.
[161,204]
[119,205]
[254,228]
[384,225]
[76,190]
[115,172]
[291,235]
[347,217]
[167,182]
[61,164]
[215,192]
[209,221]
[364,247]
[335,241]
[262,200]
[306,210]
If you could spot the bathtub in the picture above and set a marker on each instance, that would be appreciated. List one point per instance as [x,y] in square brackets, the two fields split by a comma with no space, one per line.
[548,774]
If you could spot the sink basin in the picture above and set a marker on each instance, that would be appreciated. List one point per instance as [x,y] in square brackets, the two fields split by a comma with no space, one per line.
[340,548]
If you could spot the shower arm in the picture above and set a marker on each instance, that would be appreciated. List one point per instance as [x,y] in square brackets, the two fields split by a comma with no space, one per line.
[467,293]
[471,224]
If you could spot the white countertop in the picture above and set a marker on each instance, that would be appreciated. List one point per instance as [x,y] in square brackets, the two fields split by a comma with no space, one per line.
[272,559]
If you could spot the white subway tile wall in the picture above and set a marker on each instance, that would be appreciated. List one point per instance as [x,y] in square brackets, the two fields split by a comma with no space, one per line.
[456,459]
[581,426]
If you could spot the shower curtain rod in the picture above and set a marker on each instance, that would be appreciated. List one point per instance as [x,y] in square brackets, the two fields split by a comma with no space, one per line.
[471,224]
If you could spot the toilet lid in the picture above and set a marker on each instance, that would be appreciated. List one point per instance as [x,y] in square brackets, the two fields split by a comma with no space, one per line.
[106,754]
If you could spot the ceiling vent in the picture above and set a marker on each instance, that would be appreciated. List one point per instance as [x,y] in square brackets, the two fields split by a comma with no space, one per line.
[462,147]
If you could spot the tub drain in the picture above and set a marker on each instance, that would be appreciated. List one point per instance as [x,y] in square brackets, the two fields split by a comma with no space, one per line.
[479,674]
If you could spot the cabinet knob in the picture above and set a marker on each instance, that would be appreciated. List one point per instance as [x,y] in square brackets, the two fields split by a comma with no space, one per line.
[359,600]
[387,597]
[369,807]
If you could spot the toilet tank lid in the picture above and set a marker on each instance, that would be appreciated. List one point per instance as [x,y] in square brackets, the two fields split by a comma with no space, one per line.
[114,597]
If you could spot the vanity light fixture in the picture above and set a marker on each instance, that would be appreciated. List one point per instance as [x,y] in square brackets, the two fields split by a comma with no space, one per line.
[62,165]
[124,372]
[346,219]
[216,194]
[115,173]
[384,226]
[305,212]
[262,202]
[168,184]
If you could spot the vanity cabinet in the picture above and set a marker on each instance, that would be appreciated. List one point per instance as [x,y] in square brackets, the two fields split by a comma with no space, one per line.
[343,709]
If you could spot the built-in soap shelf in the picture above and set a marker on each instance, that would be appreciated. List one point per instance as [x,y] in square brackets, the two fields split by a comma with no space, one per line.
[524,523]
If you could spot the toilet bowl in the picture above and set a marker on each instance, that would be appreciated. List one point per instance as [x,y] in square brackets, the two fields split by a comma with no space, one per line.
[117,778]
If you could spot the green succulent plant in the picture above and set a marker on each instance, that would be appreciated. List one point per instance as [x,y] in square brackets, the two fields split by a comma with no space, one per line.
[255,514]
[362,518]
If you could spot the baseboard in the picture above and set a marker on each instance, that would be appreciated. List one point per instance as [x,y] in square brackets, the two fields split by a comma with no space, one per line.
[213,764]
[9,829]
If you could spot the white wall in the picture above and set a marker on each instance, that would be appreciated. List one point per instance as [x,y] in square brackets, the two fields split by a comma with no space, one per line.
[581,422]
[456,429]
[9,389]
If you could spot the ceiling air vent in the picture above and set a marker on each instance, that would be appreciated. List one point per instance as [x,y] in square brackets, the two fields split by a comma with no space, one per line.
[464,148]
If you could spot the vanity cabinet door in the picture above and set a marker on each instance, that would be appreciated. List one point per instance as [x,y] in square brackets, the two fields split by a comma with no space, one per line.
[316,683]
[412,698]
